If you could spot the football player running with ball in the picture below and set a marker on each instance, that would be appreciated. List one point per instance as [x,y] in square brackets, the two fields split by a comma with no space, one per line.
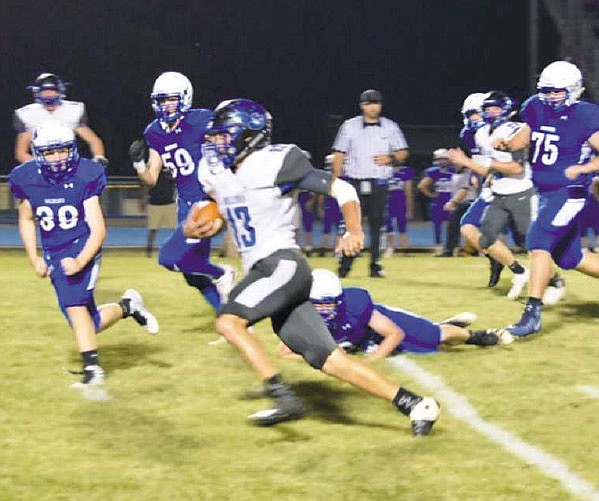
[61,191]
[175,138]
[560,131]
[255,184]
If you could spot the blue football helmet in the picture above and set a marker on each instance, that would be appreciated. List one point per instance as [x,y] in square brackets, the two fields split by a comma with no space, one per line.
[167,85]
[326,295]
[48,81]
[245,127]
[51,136]
[503,101]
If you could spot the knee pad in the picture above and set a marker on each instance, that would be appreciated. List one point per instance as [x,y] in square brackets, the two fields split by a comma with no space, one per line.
[200,282]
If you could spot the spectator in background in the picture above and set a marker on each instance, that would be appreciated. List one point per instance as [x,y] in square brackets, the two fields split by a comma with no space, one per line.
[49,92]
[462,195]
[162,209]
[366,148]
[436,186]
[400,206]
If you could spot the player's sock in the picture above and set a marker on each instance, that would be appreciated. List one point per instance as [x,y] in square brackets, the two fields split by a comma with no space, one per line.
[206,287]
[482,338]
[405,401]
[125,304]
[535,302]
[90,358]
[516,267]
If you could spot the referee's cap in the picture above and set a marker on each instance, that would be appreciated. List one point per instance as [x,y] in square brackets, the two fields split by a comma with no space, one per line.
[371,96]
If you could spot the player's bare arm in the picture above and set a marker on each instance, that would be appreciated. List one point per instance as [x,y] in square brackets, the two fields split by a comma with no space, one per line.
[425,187]
[517,142]
[391,333]
[94,142]
[337,164]
[28,233]
[574,171]
[95,220]
[22,145]
[146,161]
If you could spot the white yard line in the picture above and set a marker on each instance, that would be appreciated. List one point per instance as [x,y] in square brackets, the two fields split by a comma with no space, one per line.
[459,407]
[589,391]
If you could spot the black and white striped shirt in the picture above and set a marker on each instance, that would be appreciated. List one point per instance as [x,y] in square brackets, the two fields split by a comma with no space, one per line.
[361,142]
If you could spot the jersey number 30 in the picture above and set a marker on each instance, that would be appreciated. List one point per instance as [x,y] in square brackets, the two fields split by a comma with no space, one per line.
[545,145]
[239,219]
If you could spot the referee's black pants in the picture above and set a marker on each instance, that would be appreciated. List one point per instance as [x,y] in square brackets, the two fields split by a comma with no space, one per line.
[374,208]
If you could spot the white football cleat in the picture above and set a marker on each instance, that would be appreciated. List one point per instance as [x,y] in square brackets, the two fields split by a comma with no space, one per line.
[462,319]
[139,312]
[519,281]
[555,291]
[93,375]
[424,415]
[503,337]
[226,282]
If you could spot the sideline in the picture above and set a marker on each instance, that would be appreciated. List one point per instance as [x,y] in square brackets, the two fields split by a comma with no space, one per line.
[459,407]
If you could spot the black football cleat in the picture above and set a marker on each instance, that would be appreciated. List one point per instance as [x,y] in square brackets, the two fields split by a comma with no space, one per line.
[287,407]
[494,272]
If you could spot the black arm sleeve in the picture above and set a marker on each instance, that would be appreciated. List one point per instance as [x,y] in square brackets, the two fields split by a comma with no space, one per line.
[297,171]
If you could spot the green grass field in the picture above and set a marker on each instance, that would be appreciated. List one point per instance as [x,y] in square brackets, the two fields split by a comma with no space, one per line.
[175,429]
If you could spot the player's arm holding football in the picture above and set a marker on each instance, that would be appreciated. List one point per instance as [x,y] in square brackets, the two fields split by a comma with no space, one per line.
[28,233]
[95,221]
[146,161]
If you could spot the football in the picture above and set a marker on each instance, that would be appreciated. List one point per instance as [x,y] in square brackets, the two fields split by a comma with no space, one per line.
[207,209]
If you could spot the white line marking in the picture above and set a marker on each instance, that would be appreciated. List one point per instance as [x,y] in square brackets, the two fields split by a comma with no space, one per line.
[589,391]
[460,408]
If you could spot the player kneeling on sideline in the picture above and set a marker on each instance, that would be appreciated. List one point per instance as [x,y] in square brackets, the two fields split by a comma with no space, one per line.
[253,183]
[358,324]
[61,191]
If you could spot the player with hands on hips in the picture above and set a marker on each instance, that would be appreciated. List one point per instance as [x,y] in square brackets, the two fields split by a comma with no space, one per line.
[60,191]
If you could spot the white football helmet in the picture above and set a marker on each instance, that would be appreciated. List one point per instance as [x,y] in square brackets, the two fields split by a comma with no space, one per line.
[53,135]
[560,75]
[171,84]
[326,294]
[473,104]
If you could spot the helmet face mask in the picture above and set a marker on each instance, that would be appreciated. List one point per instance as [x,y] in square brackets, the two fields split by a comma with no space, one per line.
[48,90]
[557,78]
[497,108]
[55,151]
[472,110]
[238,127]
[172,95]
[326,295]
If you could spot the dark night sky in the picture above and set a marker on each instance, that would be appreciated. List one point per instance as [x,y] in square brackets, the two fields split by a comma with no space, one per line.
[302,58]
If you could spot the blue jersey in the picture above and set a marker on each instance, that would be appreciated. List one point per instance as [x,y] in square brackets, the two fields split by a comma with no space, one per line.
[349,328]
[467,137]
[58,208]
[351,331]
[399,178]
[441,178]
[180,150]
[558,140]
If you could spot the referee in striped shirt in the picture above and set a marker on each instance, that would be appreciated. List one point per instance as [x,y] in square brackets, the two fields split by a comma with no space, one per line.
[366,149]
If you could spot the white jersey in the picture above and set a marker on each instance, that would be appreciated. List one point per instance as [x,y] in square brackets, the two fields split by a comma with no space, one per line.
[30,117]
[260,213]
[504,184]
